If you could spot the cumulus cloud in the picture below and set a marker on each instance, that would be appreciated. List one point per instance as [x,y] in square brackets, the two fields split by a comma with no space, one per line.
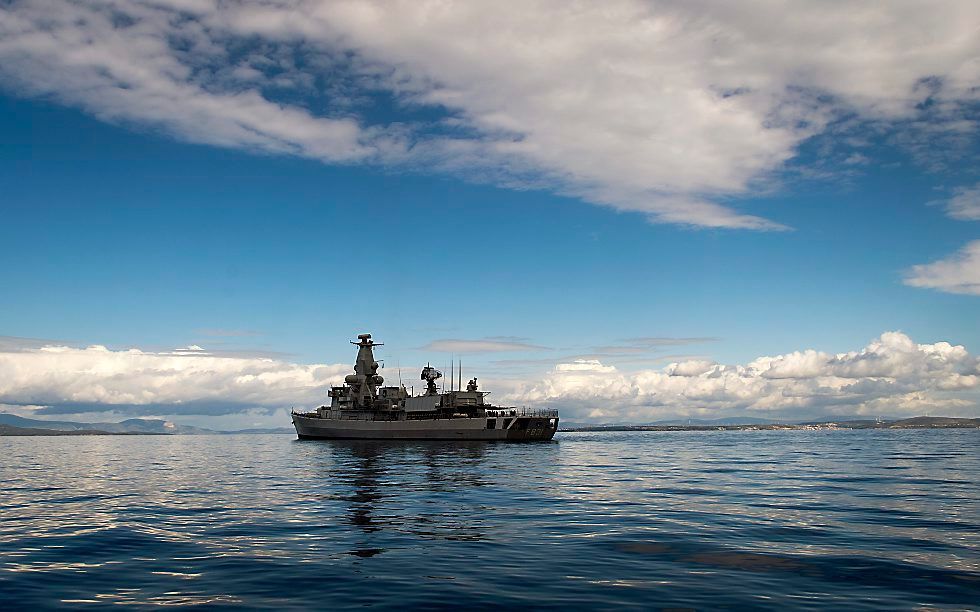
[584,365]
[959,273]
[669,109]
[185,381]
[891,375]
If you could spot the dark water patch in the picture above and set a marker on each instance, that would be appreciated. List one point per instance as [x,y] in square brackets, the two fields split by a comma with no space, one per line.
[944,585]
[76,499]
[366,553]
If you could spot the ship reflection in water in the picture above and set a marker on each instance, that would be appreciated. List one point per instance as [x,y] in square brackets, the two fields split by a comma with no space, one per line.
[448,468]
[765,520]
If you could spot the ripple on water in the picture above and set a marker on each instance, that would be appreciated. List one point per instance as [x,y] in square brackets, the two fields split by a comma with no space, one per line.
[767,520]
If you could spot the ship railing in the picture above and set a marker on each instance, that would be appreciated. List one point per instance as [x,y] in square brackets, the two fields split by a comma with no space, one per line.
[377,416]
[354,416]
[523,412]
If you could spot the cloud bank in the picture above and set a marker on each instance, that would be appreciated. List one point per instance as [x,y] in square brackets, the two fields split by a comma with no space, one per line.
[891,375]
[670,109]
[185,381]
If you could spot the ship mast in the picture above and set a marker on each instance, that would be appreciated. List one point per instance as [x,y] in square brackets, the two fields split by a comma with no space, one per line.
[365,379]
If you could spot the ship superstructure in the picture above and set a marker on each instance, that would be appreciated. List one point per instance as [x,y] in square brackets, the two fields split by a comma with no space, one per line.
[363,408]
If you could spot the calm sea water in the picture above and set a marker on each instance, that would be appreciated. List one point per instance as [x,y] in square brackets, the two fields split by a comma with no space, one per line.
[708,520]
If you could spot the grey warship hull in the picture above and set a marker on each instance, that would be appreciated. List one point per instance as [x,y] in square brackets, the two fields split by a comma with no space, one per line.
[363,409]
[521,427]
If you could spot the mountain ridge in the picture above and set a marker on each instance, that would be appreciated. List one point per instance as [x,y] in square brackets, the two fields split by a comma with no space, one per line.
[128,426]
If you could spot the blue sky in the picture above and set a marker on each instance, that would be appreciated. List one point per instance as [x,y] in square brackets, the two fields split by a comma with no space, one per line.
[129,229]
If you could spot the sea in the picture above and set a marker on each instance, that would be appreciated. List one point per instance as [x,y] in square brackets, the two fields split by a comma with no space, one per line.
[705,520]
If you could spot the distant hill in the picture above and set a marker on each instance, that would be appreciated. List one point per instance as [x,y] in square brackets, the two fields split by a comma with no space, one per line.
[861,421]
[721,421]
[846,418]
[567,425]
[156,426]
[129,426]
[11,430]
[931,422]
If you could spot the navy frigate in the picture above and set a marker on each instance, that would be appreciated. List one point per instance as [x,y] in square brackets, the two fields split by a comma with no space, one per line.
[362,408]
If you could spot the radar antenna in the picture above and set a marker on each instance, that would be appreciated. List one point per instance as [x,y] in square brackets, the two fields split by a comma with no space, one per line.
[430,375]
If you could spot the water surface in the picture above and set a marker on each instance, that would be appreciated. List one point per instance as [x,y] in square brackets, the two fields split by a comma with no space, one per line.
[708,520]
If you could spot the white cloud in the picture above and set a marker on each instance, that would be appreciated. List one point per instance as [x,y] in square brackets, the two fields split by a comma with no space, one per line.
[891,375]
[187,381]
[668,109]
[693,367]
[965,204]
[584,365]
[959,273]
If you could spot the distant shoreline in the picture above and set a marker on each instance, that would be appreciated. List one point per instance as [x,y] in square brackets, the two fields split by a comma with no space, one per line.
[921,422]
[912,423]
[11,430]
[14,425]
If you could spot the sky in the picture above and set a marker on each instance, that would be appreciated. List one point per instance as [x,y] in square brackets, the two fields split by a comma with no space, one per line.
[630,211]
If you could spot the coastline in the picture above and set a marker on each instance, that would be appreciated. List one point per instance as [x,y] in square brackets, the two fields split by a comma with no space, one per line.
[921,422]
